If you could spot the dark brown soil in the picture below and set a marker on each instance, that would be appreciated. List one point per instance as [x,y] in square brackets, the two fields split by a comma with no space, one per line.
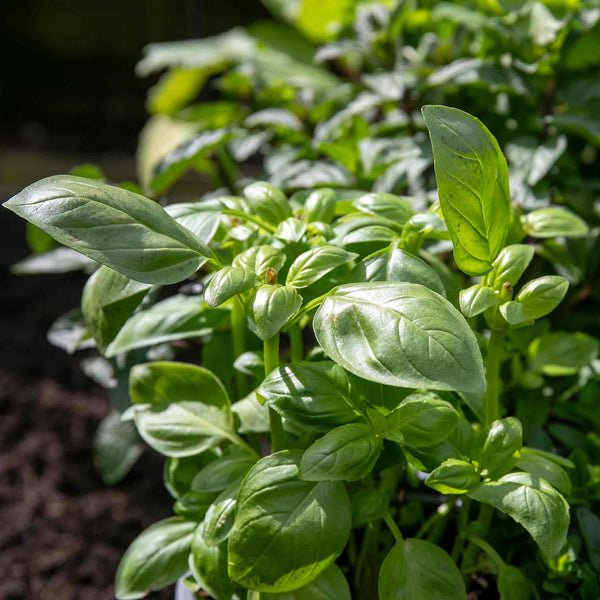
[63,532]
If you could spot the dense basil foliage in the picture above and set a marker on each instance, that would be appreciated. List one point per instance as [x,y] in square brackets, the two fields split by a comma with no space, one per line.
[396,332]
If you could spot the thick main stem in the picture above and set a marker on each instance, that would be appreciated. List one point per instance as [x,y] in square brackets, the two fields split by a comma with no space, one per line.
[238,339]
[278,436]
[492,374]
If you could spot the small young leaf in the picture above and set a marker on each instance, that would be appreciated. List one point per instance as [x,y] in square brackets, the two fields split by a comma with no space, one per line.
[476,299]
[510,265]
[400,334]
[220,516]
[320,206]
[267,202]
[536,299]
[122,230]
[421,420]
[314,395]
[419,570]
[260,258]
[472,178]
[552,222]
[286,531]
[229,469]
[270,308]
[501,442]
[228,282]
[346,453]
[394,208]
[453,477]
[155,559]
[313,264]
[533,503]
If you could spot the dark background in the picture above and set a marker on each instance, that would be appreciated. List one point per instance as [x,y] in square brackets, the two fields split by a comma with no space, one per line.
[69,95]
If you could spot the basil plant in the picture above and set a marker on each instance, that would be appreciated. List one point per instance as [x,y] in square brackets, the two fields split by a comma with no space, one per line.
[349,431]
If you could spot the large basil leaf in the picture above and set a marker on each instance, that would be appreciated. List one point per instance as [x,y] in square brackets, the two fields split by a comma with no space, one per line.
[270,308]
[316,396]
[313,264]
[267,202]
[155,559]
[393,264]
[421,420]
[286,531]
[472,178]
[419,570]
[320,206]
[109,299]
[183,409]
[176,318]
[115,227]
[400,334]
[329,585]
[533,503]
[541,466]
[346,453]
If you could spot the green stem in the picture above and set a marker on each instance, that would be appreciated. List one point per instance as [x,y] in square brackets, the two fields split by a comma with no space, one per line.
[278,435]
[393,527]
[314,303]
[488,550]
[251,218]
[492,374]
[484,519]
[441,512]
[463,520]
[238,338]
[296,345]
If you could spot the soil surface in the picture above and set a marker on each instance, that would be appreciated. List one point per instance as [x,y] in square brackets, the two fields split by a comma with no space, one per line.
[62,531]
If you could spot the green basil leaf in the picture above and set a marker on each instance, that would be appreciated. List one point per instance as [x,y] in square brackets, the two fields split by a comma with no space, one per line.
[393,264]
[476,299]
[558,354]
[420,570]
[224,472]
[313,264]
[260,258]
[208,564]
[178,473]
[227,283]
[394,208]
[220,515]
[183,409]
[472,178]
[589,525]
[196,217]
[346,453]
[117,447]
[400,334]
[291,230]
[545,468]
[510,265]
[453,477]
[109,299]
[155,559]
[270,308]
[59,260]
[368,504]
[329,585]
[536,299]
[552,222]
[500,444]
[315,396]
[421,420]
[122,230]
[267,202]
[533,503]
[320,206]
[286,531]
[513,584]
[192,506]
[177,318]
